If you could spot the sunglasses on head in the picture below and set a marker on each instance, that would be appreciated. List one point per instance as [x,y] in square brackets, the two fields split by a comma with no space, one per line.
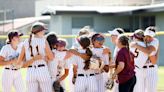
[99,38]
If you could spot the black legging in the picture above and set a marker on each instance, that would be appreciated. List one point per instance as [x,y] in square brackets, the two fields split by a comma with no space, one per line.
[128,86]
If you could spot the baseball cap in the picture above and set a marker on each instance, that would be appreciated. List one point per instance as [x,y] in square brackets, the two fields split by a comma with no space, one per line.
[37,27]
[138,34]
[13,34]
[150,31]
[116,31]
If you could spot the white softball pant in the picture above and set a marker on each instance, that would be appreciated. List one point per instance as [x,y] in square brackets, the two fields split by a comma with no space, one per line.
[151,78]
[140,83]
[12,78]
[38,78]
[86,84]
[101,78]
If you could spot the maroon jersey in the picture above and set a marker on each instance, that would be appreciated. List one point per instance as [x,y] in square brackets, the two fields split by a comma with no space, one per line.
[128,59]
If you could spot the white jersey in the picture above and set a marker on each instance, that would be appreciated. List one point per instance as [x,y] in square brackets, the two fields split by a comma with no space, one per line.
[37,47]
[101,77]
[99,53]
[140,57]
[85,83]
[77,60]
[154,43]
[115,53]
[9,73]
[9,53]
[61,63]
[37,77]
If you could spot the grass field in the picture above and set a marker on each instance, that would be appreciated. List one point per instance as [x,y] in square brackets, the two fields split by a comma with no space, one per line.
[160,81]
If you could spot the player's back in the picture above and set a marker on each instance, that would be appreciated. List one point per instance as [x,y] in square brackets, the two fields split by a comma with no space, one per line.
[36,47]
[140,57]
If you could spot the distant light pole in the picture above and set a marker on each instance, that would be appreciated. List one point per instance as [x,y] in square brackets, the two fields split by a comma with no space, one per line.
[12,19]
[4,19]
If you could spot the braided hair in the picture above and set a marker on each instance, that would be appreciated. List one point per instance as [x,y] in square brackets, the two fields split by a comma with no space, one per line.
[85,43]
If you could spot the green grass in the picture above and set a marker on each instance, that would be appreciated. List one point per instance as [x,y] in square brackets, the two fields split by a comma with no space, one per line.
[160,81]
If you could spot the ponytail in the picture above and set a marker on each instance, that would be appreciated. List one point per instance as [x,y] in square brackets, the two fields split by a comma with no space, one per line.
[125,41]
[30,47]
[87,62]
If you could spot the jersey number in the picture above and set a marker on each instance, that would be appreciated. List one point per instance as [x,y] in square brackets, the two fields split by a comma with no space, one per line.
[136,53]
[31,49]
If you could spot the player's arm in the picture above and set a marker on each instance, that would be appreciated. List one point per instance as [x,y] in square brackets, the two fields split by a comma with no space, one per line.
[106,62]
[154,58]
[74,74]
[21,56]
[82,55]
[148,50]
[3,62]
[31,61]
[49,53]
[64,75]
[74,70]
[119,68]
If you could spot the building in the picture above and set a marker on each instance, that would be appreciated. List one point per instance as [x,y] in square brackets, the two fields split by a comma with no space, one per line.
[41,4]
[69,19]
[16,9]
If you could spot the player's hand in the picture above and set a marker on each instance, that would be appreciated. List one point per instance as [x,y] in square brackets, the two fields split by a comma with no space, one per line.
[13,61]
[37,57]
[133,45]
[114,76]
[112,65]
[73,80]
[106,51]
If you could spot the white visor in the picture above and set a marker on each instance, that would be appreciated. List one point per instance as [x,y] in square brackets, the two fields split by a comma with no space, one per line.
[114,32]
[149,33]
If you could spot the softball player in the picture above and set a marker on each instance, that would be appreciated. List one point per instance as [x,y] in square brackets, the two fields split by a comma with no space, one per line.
[114,35]
[97,41]
[37,73]
[11,76]
[139,60]
[86,77]
[150,69]
[62,64]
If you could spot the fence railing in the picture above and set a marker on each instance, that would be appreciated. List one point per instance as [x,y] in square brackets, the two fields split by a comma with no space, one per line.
[73,36]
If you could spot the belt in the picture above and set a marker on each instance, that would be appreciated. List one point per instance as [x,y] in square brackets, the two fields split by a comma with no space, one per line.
[41,65]
[150,66]
[136,66]
[85,75]
[11,69]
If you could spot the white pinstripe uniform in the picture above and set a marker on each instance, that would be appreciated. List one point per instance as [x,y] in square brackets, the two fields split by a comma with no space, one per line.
[52,66]
[115,88]
[151,73]
[11,76]
[86,79]
[101,77]
[140,59]
[38,76]
[61,64]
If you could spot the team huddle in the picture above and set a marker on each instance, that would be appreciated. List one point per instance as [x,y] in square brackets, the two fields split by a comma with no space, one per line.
[132,67]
